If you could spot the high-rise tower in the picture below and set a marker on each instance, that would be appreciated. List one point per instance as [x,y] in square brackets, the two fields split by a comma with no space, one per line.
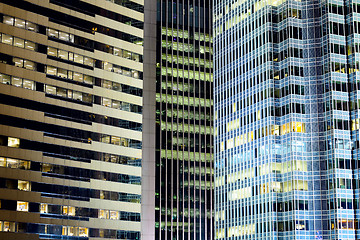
[70,119]
[286,119]
[184,155]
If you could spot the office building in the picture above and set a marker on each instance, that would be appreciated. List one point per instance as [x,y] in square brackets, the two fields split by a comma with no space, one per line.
[184,155]
[286,105]
[71,119]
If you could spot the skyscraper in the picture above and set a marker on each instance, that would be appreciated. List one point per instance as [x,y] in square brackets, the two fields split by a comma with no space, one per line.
[184,155]
[286,119]
[70,119]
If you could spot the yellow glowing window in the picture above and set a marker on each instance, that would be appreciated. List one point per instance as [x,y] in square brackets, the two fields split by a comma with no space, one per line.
[24,185]
[22,206]
[104,214]
[6,227]
[43,208]
[13,142]
[68,210]
[2,162]
[114,215]
[83,232]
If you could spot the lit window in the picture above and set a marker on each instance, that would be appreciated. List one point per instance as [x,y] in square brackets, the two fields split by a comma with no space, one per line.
[88,79]
[78,77]
[106,102]
[64,36]
[9,227]
[104,214]
[63,54]
[108,66]
[83,232]
[62,73]
[88,61]
[22,206]
[52,51]
[2,162]
[7,39]
[107,84]
[115,140]
[117,52]
[78,58]
[28,84]
[68,210]
[50,90]
[18,42]
[5,79]
[23,185]
[30,45]
[43,208]
[31,26]
[8,20]
[53,33]
[115,104]
[126,54]
[72,231]
[13,142]
[77,95]
[45,167]
[16,81]
[114,215]
[51,70]
[19,23]
[29,65]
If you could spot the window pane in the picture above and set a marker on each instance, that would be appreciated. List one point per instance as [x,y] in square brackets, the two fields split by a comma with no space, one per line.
[106,102]
[107,66]
[116,104]
[117,69]
[29,65]
[8,20]
[18,42]
[62,73]
[51,70]
[88,79]
[50,90]
[116,86]
[106,84]
[126,54]
[18,62]
[77,95]
[16,81]
[28,84]
[23,185]
[2,163]
[31,26]
[53,33]
[78,77]
[5,79]
[61,92]
[88,61]
[7,39]
[22,206]
[117,52]
[13,142]
[52,51]
[63,54]
[30,45]
[64,36]
[19,23]
[78,58]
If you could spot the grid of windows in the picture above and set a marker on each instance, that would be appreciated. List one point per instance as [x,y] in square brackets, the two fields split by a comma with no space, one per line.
[184,137]
[71,119]
[286,119]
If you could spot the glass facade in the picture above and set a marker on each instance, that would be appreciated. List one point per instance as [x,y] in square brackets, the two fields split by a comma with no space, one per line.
[71,85]
[286,119]
[184,155]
